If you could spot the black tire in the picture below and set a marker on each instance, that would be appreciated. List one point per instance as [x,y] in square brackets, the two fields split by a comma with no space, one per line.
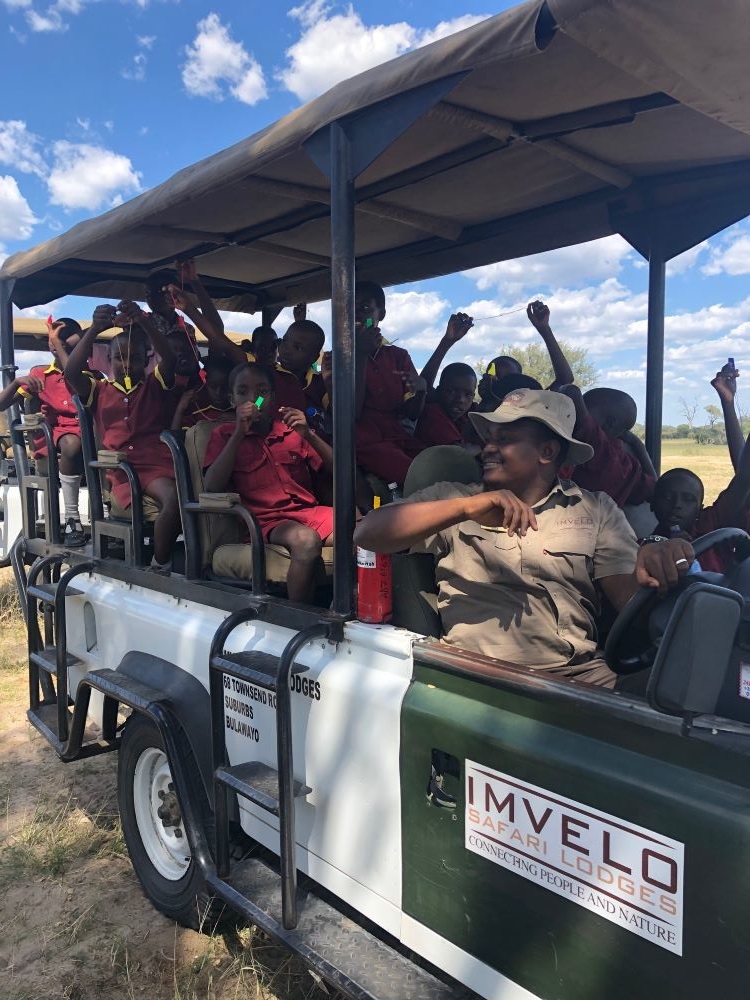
[170,877]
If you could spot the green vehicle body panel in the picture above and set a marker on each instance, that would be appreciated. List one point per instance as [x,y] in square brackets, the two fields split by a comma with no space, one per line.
[677,786]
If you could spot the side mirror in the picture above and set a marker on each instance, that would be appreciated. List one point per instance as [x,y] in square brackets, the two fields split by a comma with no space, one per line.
[696,651]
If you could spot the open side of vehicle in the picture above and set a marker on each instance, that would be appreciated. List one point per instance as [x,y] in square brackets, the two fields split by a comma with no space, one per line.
[413,819]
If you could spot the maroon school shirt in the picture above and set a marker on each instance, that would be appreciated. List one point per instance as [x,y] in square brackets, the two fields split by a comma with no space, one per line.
[612,469]
[272,473]
[436,427]
[58,408]
[131,421]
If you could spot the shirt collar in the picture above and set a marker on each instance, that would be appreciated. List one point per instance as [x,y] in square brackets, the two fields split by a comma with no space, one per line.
[122,389]
[563,491]
[52,368]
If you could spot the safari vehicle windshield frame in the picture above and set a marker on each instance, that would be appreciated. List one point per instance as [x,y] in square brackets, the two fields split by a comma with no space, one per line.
[431,154]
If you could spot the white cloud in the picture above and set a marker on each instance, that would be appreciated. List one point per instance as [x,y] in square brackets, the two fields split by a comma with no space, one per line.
[137,71]
[600,259]
[217,63]
[19,148]
[730,257]
[17,4]
[684,261]
[350,46]
[16,218]
[146,41]
[90,177]
[52,21]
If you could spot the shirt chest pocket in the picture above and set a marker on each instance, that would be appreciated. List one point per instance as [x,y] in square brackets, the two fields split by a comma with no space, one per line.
[569,559]
[495,555]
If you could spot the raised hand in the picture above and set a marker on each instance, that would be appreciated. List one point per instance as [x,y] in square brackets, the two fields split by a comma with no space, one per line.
[295,420]
[507,511]
[127,313]
[31,383]
[187,270]
[247,415]
[538,314]
[104,317]
[458,326]
[300,312]
[179,298]
[725,383]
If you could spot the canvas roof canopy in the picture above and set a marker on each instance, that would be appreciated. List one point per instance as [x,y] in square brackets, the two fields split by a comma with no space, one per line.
[550,124]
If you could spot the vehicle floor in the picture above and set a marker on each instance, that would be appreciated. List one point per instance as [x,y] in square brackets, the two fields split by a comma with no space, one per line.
[74,924]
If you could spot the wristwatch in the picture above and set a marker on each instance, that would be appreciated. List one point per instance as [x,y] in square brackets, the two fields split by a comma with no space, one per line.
[653,538]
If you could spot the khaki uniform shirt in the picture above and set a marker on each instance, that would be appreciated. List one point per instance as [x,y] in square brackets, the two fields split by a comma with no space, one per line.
[531,600]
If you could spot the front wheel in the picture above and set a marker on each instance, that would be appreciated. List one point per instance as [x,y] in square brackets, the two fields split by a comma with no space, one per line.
[154,830]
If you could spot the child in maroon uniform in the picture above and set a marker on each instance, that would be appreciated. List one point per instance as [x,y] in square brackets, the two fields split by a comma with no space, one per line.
[46,385]
[298,384]
[211,400]
[445,418]
[129,411]
[388,390]
[270,462]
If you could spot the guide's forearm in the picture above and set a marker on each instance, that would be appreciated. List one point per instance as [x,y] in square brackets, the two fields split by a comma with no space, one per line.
[400,525]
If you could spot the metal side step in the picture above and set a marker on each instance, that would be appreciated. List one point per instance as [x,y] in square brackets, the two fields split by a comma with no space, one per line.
[46,592]
[346,955]
[46,659]
[123,687]
[259,783]
[44,720]
[253,666]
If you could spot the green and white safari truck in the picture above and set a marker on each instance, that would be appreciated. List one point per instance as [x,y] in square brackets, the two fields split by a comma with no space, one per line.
[414,820]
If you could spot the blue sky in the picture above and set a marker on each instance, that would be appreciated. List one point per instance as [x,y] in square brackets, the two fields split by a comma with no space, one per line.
[105,98]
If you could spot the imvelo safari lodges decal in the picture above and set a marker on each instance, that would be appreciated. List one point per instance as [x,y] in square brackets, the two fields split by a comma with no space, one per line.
[622,872]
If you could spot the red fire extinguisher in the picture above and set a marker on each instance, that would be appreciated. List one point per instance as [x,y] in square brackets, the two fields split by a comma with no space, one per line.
[374,586]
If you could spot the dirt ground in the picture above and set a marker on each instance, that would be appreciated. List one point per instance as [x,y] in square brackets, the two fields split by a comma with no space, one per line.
[74,924]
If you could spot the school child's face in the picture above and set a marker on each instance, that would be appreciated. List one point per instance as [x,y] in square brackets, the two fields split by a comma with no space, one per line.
[184,348]
[298,350]
[366,308]
[677,501]
[158,301]
[127,359]
[265,347]
[455,394]
[248,386]
[68,344]
[217,387]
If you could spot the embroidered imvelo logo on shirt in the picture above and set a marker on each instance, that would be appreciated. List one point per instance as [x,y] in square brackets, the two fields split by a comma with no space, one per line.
[584,521]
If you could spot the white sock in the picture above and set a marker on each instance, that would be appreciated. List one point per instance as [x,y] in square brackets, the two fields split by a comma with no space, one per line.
[166,565]
[70,486]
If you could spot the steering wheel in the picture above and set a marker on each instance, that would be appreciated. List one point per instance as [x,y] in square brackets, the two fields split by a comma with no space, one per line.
[634,616]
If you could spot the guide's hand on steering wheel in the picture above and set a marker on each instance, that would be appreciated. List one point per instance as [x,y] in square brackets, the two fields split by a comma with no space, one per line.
[662,564]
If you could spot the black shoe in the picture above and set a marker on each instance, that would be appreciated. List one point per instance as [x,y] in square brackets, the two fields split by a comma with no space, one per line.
[74,536]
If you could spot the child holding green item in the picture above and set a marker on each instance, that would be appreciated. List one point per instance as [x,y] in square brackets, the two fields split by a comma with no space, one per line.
[271,461]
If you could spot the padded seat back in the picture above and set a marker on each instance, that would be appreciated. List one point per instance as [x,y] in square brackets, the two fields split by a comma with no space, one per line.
[414,586]
[216,529]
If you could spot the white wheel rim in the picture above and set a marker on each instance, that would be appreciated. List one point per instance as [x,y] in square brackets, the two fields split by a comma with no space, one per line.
[166,846]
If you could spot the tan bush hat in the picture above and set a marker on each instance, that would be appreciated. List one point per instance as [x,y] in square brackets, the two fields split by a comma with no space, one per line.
[550,408]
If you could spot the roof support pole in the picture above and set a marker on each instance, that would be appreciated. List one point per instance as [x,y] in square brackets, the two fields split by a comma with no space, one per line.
[342,322]
[8,369]
[655,351]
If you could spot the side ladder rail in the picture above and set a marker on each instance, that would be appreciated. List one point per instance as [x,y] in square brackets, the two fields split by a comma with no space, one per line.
[286,770]
[280,684]
[218,733]
[35,642]
[61,646]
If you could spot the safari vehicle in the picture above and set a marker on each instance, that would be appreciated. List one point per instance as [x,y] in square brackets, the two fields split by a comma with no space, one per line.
[422,821]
